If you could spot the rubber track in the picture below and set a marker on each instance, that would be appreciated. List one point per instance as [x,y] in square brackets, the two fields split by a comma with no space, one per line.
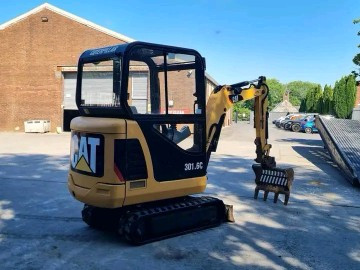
[132,225]
[342,139]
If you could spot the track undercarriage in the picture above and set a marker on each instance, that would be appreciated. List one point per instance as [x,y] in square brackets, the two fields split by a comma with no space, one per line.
[140,224]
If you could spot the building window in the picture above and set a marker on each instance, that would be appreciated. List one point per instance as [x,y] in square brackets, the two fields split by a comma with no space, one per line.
[139,92]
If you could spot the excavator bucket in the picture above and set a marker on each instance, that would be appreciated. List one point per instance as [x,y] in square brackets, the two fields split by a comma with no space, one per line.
[274,180]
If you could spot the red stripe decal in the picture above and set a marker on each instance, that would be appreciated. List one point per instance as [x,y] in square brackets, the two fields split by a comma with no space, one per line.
[118,173]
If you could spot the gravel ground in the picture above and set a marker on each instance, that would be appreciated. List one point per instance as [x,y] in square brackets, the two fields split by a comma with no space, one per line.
[41,228]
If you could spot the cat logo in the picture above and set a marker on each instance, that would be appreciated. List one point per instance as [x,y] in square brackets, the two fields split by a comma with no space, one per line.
[87,154]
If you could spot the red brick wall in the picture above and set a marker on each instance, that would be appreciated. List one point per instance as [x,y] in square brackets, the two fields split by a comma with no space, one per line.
[31,50]
[180,90]
[357,101]
[31,82]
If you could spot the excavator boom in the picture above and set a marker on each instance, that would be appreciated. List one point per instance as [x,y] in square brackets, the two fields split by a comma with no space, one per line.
[224,97]
[267,177]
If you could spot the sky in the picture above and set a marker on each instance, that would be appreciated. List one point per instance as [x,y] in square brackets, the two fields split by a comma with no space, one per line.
[241,39]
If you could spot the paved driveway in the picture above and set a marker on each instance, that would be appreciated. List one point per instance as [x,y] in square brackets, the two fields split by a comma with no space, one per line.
[41,228]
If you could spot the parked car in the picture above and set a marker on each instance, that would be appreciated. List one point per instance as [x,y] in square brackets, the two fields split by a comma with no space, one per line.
[288,118]
[282,119]
[308,125]
[295,125]
[286,124]
[277,121]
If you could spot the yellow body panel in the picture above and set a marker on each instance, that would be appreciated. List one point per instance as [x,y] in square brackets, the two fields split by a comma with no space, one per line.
[108,191]
[250,93]
[155,190]
[216,106]
[100,194]
[109,177]
[98,125]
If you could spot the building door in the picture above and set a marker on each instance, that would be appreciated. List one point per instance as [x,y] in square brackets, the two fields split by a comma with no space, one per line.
[98,80]
[70,110]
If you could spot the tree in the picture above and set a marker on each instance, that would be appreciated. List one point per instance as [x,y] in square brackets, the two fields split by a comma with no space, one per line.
[240,110]
[309,101]
[276,92]
[320,105]
[318,99]
[351,94]
[344,96]
[298,91]
[313,99]
[356,58]
[340,98]
[327,99]
[302,106]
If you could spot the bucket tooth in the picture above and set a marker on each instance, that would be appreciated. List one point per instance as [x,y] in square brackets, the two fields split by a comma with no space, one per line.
[276,197]
[266,193]
[229,212]
[256,194]
[287,196]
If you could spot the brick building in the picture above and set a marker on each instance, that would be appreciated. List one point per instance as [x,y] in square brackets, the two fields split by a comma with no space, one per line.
[357,99]
[38,65]
[356,110]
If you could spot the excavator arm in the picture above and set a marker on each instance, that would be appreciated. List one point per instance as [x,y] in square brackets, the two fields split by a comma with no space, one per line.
[268,177]
[223,98]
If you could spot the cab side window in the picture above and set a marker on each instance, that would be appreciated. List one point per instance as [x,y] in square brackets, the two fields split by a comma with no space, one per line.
[164,84]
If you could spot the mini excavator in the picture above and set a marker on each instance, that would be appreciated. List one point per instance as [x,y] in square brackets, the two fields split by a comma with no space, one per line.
[142,143]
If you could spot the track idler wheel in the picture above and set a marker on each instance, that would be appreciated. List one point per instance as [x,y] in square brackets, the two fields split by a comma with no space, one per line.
[100,218]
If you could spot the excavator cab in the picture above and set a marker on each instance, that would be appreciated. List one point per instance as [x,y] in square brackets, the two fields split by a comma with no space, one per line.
[142,142]
[161,88]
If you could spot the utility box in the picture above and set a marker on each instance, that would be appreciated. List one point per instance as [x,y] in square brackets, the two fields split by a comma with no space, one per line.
[37,126]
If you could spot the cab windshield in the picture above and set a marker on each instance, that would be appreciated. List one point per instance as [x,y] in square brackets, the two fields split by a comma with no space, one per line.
[100,84]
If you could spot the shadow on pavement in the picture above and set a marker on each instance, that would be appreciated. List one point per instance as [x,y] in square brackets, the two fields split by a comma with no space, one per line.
[308,142]
[303,235]
[321,158]
[36,207]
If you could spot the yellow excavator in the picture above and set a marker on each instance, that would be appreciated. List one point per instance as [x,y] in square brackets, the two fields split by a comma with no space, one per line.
[143,140]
